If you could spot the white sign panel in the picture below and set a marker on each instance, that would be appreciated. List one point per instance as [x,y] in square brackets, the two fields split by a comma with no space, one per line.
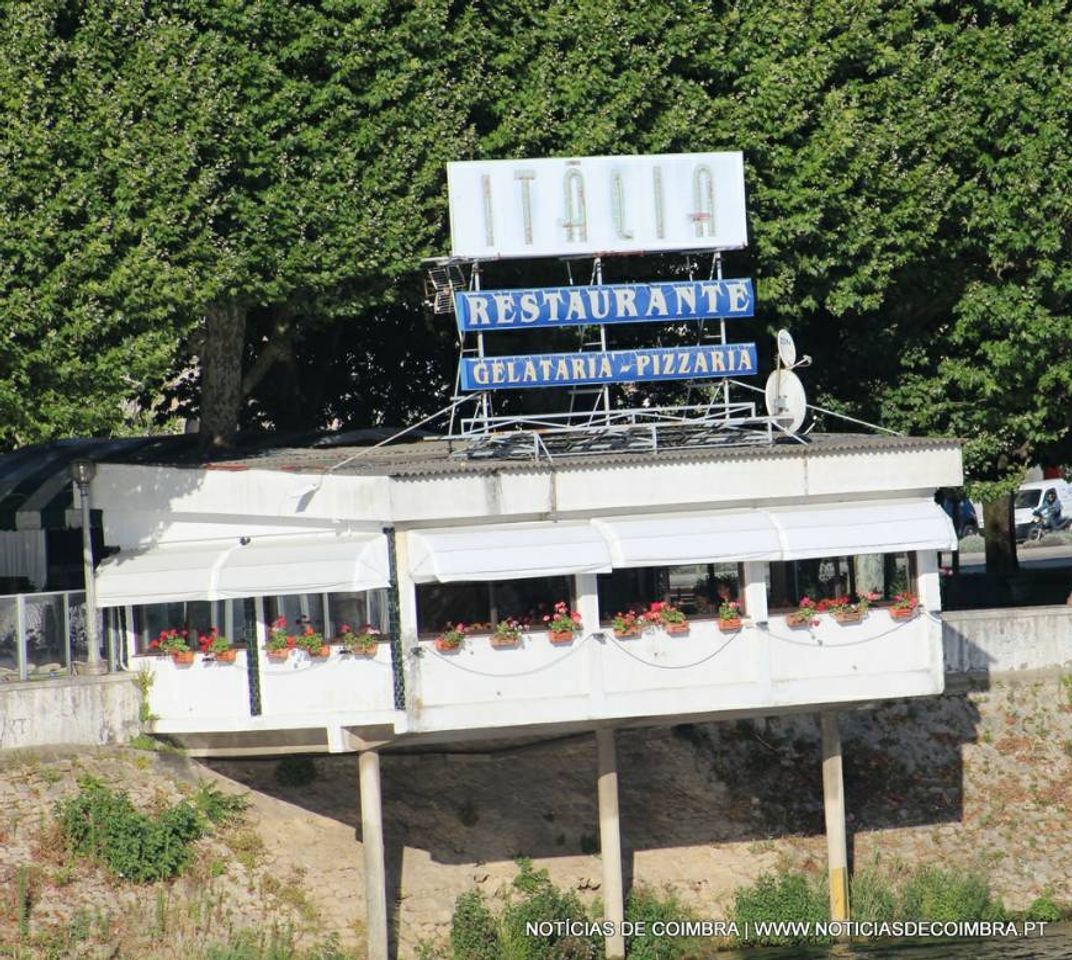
[594,205]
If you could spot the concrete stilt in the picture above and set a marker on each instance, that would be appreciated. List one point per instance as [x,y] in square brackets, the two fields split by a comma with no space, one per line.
[610,842]
[834,809]
[368,768]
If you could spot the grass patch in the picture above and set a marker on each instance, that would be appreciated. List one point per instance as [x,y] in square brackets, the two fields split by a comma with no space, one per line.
[927,893]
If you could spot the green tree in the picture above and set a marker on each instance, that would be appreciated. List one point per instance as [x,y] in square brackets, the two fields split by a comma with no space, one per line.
[275,157]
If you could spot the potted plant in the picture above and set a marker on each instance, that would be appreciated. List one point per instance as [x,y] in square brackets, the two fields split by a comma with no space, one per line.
[217,646]
[507,633]
[626,625]
[562,624]
[804,615]
[173,642]
[662,614]
[843,610]
[905,606]
[312,642]
[362,642]
[279,642]
[729,615]
[450,640]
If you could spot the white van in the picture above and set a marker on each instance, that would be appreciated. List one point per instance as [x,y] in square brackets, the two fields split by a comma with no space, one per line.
[1030,495]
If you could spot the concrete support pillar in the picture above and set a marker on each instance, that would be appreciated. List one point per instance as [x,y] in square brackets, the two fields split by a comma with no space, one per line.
[610,842]
[368,768]
[834,808]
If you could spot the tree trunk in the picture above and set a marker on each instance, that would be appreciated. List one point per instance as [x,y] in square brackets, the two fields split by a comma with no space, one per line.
[1000,533]
[221,376]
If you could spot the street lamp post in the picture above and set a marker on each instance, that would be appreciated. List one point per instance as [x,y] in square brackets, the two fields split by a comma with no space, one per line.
[82,473]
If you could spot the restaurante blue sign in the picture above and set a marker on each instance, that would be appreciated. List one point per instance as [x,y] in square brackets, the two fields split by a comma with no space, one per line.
[613,366]
[495,310]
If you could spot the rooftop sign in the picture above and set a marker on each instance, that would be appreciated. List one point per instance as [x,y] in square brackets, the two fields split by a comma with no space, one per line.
[495,310]
[612,366]
[596,205]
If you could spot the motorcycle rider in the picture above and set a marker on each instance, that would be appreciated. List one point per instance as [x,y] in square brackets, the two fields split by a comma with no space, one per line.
[1049,511]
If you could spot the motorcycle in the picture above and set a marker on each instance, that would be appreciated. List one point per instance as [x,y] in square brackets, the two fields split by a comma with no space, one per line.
[1038,529]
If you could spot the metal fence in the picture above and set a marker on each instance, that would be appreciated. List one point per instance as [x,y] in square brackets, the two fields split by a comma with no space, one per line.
[43,635]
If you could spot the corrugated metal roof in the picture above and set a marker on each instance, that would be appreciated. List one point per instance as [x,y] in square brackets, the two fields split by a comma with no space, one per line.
[34,479]
[425,458]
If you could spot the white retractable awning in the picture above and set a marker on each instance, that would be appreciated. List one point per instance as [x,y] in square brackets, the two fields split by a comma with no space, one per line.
[671,540]
[506,552]
[862,528]
[162,574]
[269,566]
[225,570]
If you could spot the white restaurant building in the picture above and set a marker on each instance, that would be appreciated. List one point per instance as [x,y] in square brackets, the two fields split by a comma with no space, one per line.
[408,537]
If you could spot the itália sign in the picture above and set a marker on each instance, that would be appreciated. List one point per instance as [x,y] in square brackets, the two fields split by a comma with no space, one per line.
[596,205]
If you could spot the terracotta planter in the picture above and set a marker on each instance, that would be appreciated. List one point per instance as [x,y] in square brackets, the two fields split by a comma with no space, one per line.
[278,655]
[630,634]
[728,626]
[903,614]
[319,653]
[560,637]
[504,643]
[183,658]
[446,646]
[367,652]
[676,629]
[798,621]
[226,656]
[848,617]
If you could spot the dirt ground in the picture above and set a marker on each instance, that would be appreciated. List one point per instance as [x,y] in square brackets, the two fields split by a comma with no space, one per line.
[973,780]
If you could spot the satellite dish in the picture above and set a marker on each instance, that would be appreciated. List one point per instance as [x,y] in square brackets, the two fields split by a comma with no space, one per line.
[787,349]
[786,401]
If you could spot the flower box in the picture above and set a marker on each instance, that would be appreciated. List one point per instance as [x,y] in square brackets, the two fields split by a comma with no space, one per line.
[182,658]
[319,653]
[278,655]
[729,625]
[850,616]
[676,629]
[798,621]
[505,642]
[903,613]
[628,634]
[226,656]
[559,637]
[447,645]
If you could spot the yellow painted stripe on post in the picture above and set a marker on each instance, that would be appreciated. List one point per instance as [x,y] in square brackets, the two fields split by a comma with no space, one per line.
[839,893]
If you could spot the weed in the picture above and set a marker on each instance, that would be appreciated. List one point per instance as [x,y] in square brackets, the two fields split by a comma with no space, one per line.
[782,897]
[467,813]
[247,847]
[105,826]
[219,807]
[143,680]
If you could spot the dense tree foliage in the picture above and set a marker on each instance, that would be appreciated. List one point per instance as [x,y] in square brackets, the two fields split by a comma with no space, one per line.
[245,189]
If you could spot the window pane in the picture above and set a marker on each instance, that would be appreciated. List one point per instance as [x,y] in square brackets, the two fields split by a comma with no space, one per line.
[698,589]
[527,600]
[297,608]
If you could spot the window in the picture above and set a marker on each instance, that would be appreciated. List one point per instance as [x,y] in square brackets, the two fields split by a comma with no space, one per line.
[886,574]
[695,589]
[229,617]
[487,603]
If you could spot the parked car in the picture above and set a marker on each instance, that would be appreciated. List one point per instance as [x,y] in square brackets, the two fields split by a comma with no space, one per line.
[1030,495]
[962,513]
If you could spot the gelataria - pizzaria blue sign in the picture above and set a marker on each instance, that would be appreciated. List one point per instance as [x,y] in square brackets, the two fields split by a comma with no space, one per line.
[613,366]
[496,310]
